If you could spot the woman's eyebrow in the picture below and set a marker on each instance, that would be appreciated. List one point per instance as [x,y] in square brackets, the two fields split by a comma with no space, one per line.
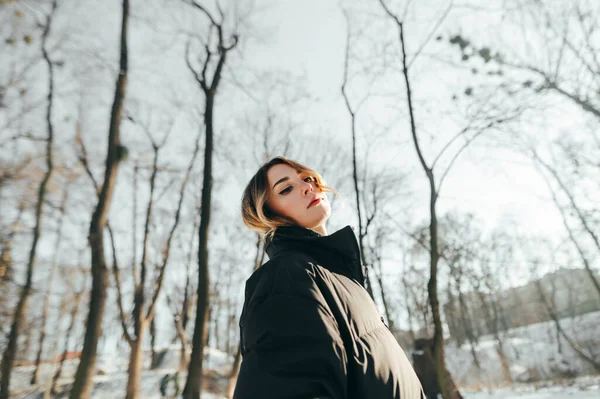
[281,181]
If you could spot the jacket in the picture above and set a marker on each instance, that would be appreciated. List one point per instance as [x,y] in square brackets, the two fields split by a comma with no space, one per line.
[310,330]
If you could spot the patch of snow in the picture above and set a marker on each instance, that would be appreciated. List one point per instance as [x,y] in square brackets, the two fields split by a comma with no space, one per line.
[534,353]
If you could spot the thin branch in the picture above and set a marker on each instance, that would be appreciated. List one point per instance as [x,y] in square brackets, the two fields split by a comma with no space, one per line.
[83,158]
[189,63]
[584,259]
[432,32]
[204,11]
[457,154]
[205,67]
[166,252]
[140,286]
[413,128]
[448,144]
[117,274]
[569,195]
[551,84]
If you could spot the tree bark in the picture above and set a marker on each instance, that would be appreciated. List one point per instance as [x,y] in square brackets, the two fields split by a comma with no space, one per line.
[466,319]
[237,360]
[134,370]
[74,311]
[411,332]
[36,372]
[82,385]
[10,352]
[447,385]
[193,385]
[153,342]
[6,254]
[492,323]
[235,369]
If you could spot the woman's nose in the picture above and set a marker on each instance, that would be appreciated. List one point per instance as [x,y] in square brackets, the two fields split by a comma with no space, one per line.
[308,188]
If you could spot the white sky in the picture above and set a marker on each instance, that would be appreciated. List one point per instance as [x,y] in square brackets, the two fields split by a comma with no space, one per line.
[310,39]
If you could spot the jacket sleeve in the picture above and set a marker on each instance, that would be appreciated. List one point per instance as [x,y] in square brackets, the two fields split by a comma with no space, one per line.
[293,348]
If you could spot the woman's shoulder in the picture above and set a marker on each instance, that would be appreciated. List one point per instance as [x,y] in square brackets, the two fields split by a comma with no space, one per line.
[283,274]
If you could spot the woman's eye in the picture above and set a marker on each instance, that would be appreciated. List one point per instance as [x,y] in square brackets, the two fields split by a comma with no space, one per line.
[308,179]
[286,190]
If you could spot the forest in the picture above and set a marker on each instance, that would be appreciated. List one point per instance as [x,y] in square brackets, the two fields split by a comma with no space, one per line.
[463,138]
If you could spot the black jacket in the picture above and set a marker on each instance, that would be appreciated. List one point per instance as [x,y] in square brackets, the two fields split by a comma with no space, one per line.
[310,330]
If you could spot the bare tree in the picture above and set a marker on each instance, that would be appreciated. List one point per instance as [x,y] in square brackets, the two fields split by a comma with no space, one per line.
[8,356]
[235,368]
[116,152]
[6,261]
[144,309]
[545,168]
[43,332]
[491,303]
[562,64]
[551,309]
[447,386]
[209,86]
[363,226]
[75,301]
[181,307]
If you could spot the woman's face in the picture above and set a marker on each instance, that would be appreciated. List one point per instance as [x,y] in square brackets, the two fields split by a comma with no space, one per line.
[296,196]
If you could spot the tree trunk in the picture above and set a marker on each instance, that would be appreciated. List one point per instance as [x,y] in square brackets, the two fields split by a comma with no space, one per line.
[411,332]
[10,352]
[504,363]
[85,371]
[194,377]
[492,323]
[11,348]
[6,254]
[467,325]
[184,360]
[447,386]
[82,385]
[235,369]
[193,383]
[552,313]
[386,305]
[153,342]
[361,232]
[74,312]
[36,372]
[134,371]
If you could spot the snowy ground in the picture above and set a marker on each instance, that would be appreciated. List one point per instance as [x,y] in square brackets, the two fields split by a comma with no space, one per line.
[534,355]
[111,380]
[580,388]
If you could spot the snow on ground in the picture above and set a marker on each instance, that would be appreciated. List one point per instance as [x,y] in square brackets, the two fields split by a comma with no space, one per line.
[586,387]
[111,378]
[533,352]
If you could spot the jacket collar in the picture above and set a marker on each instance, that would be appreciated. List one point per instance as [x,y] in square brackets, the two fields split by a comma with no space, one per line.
[339,252]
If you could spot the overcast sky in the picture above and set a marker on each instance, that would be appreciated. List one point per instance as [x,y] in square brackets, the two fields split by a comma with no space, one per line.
[309,38]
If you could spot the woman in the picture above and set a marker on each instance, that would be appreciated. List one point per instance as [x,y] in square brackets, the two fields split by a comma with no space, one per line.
[309,329]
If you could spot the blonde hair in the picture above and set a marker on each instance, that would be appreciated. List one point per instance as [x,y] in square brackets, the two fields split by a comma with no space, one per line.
[256,213]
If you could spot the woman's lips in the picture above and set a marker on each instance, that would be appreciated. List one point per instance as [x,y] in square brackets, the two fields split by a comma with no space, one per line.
[315,202]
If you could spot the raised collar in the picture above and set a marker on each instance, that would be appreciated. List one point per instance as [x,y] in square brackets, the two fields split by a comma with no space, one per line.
[339,252]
